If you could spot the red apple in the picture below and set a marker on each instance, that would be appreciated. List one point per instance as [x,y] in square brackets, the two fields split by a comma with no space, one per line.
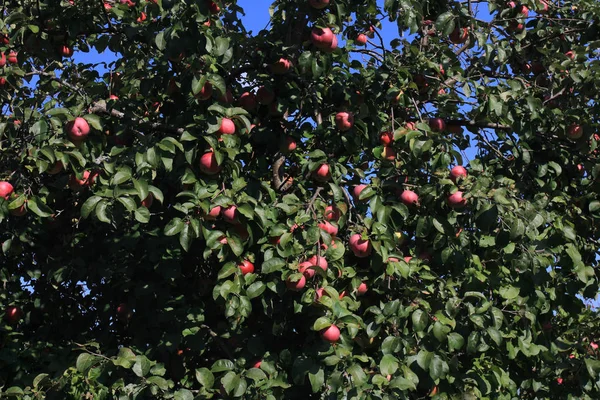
[409,197]
[559,381]
[206,92]
[344,121]
[213,7]
[2,81]
[454,128]
[6,189]
[361,289]
[361,39]
[147,202]
[123,312]
[113,97]
[360,247]
[318,4]
[543,7]
[4,39]
[13,314]
[459,35]
[307,269]
[570,54]
[141,18]
[389,153]
[322,173]
[574,131]
[332,213]
[208,164]
[78,129]
[322,37]
[437,124]
[328,227]
[227,97]
[265,95]
[87,179]
[12,57]
[247,101]
[411,126]
[386,138]
[289,144]
[281,66]
[55,169]
[230,214]
[320,262]
[227,127]
[331,334]
[257,364]
[246,267]
[358,190]
[456,200]
[515,27]
[213,213]
[66,51]
[332,46]
[458,172]
[2,60]
[296,286]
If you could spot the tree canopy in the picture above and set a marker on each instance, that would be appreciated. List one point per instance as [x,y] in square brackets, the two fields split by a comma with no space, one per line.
[304,211]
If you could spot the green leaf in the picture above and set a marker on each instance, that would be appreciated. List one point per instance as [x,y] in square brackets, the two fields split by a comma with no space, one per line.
[185,237]
[205,377]
[36,205]
[455,341]
[183,394]
[142,366]
[125,359]
[101,212]
[419,319]
[388,365]
[158,381]
[89,205]
[142,215]
[358,375]
[85,361]
[317,380]
[94,121]
[255,290]
[174,226]
[272,265]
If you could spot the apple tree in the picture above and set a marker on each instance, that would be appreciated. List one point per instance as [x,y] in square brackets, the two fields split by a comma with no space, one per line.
[305,211]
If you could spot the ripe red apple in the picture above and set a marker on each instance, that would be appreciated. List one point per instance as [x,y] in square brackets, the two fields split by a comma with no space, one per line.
[322,37]
[328,227]
[332,46]
[458,172]
[296,286]
[66,51]
[4,39]
[344,121]
[306,268]
[361,289]
[331,334]
[6,189]
[322,173]
[360,247]
[13,314]
[357,191]
[257,364]
[206,92]
[113,97]
[141,18]
[227,97]
[437,124]
[459,35]
[409,197]
[147,202]
[246,267]
[55,169]
[570,54]
[208,164]
[213,7]
[230,214]
[248,101]
[213,213]
[411,126]
[559,380]
[456,200]
[320,262]
[389,153]
[386,138]
[227,127]
[362,39]
[2,60]
[289,144]
[515,27]
[332,213]
[2,81]
[318,4]
[574,131]
[264,95]
[12,57]
[78,129]
[281,66]
[87,179]
[123,312]
[454,129]
[543,7]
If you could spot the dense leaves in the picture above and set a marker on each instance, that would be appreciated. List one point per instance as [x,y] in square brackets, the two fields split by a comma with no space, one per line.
[219,213]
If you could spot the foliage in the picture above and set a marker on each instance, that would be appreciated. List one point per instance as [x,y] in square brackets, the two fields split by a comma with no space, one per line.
[127,286]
